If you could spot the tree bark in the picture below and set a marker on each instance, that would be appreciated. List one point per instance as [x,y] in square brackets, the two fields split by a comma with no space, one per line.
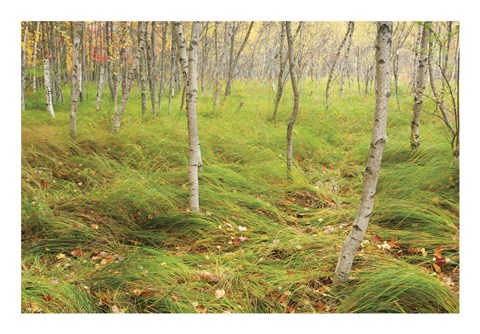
[152,68]
[232,65]
[34,60]
[117,117]
[48,87]
[280,85]
[101,81]
[419,87]
[296,100]
[75,81]
[172,67]
[143,72]
[438,98]
[345,67]
[193,137]
[162,65]
[24,56]
[184,64]
[216,72]
[332,69]
[372,169]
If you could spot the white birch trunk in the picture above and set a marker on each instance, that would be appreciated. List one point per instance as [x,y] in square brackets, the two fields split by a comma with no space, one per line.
[34,59]
[75,81]
[296,101]
[193,138]
[101,82]
[419,87]
[117,117]
[24,60]
[48,87]
[372,170]
[183,57]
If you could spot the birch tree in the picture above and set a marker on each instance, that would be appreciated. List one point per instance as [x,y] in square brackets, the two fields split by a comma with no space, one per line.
[48,87]
[233,60]
[101,82]
[189,68]
[34,58]
[296,99]
[162,65]
[117,117]
[24,56]
[419,86]
[372,170]
[335,60]
[75,81]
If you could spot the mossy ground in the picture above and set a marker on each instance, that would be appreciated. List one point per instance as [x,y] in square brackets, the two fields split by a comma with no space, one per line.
[119,203]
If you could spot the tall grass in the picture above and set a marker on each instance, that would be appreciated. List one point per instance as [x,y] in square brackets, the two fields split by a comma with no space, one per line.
[270,244]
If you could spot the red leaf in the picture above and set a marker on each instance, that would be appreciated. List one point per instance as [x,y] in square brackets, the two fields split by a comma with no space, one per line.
[147,294]
[376,239]
[440,261]
[47,298]
[76,252]
[290,272]
[320,306]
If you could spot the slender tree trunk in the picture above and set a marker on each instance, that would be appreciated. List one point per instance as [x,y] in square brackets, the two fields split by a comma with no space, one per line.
[193,137]
[184,64]
[332,69]
[416,54]
[395,78]
[101,81]
[217,64]
[345,67]
[81,64]
[48,87]
[234,60]
[162,65]
[117,117]
[283,79]
[34,60]
[447,51]
[152,68]
[75,81]
[372,170]
[438,98]
[358,71]
[172,67]
[296,99]
[280,85]
[420,86]
[24,55]
[143,73]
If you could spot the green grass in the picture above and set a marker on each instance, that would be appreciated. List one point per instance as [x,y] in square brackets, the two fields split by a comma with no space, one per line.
[122,200]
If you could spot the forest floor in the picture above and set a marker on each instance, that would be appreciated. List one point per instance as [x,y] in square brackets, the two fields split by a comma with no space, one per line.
[105,224]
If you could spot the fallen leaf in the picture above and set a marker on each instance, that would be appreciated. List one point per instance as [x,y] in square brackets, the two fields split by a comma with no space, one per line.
[242,228]
[424,252]
[290,272]
[393,243]
[94,226]
[242,238]
[440,261]
[47,298]
[76,252]
[115,309]
[385,245]
[147,294]
[137,292]
[208,276]
[201,309]
[320,306]
[437,252]
[437,268]
[60,256]
[54,282]
[219,293]
[376,239]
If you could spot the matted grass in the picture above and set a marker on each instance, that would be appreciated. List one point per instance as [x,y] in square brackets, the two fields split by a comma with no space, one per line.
[105,225]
